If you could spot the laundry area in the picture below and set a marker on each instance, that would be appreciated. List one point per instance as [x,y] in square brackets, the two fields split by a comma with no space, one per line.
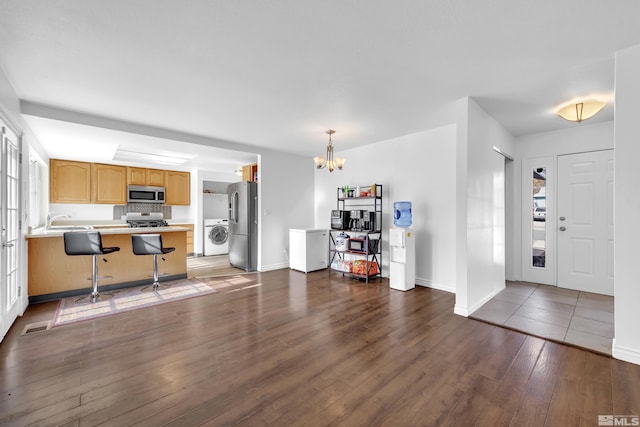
[215,214]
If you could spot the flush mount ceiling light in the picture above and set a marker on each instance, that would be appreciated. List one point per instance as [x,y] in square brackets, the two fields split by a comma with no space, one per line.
[329,161]
[577,111]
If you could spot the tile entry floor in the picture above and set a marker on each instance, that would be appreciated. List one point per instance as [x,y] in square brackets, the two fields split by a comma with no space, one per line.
[574,317]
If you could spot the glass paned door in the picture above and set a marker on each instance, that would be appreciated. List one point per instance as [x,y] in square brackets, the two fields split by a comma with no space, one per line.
[9,223]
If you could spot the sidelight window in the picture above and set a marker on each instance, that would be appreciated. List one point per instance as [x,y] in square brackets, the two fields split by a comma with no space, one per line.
[538,217]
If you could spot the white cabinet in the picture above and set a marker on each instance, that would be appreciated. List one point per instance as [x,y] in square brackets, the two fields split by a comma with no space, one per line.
[308,249]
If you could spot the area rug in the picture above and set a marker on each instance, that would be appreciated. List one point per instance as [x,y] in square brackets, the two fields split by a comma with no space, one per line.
[128,299]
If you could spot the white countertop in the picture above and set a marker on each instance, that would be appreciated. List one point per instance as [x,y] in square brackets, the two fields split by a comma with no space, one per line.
[38,233]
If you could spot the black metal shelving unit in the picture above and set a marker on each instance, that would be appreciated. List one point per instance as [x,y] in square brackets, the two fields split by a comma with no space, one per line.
[343,261]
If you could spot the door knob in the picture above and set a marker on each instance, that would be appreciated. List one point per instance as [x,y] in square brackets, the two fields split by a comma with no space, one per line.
[562,218]
[563,228]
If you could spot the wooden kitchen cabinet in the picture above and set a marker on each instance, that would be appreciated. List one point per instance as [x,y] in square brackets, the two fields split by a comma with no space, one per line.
[189,236]
[51,273]
[69,181]
[136,176]
[250,172]
[178,188]
[155,177]
[144,176]
[109,184]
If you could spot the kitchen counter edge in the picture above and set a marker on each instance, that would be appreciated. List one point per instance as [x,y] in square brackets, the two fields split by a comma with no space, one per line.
[124,230]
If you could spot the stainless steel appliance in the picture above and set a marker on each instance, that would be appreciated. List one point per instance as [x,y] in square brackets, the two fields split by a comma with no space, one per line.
[370,222]
[340,220]
[146,219]
[145,194]
[357,219]
[243,225]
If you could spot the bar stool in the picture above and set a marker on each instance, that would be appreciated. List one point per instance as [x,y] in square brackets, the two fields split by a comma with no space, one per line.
[151,244]
[89,243]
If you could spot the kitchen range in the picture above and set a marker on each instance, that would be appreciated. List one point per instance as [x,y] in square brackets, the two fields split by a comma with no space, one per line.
[145,219]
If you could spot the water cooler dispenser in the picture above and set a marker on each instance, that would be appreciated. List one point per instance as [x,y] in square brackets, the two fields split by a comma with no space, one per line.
[402,271]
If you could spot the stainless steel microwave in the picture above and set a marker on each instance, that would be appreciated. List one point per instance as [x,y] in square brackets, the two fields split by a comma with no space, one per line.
[145,194]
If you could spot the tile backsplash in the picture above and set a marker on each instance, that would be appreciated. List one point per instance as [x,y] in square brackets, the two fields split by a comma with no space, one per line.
[120,210]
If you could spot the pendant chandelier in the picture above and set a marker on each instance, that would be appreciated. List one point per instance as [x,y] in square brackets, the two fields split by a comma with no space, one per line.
[329,161]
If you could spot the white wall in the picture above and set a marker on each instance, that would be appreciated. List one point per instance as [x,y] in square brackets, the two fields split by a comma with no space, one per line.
[581,138]
[285,194]
[480,272]
[83,211]
[215,202]
[420,168]
[9,103]
[215,205]
[626,345]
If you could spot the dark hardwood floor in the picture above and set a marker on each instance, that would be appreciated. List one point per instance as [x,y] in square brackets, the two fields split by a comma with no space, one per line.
[286,349]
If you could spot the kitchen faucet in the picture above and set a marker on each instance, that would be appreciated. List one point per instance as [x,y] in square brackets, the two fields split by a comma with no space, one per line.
[51,217]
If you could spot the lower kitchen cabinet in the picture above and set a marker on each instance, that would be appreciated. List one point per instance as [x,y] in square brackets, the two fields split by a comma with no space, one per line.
[189,236]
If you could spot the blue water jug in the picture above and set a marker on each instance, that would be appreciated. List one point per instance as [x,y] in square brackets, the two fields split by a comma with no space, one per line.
[402,214]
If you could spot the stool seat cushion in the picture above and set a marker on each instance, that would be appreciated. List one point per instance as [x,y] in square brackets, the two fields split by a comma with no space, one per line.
[85,243]
[149,244]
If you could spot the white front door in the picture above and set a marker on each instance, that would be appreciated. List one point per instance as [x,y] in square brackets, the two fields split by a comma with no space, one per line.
[9,217]
[585,221]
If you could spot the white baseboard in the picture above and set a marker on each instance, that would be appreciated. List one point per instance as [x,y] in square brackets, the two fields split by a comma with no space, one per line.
[460,311]
[434,285]
[466,311]
[483,301]
[624,353]
[272,267]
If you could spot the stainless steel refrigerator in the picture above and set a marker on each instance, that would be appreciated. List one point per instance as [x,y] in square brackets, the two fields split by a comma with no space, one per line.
[243,225]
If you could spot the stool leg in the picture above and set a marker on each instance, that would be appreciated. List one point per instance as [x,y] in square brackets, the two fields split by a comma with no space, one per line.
[95,295]
[156,282]
[94,280]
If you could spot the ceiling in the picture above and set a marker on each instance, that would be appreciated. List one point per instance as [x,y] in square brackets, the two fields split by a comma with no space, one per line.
[277,74]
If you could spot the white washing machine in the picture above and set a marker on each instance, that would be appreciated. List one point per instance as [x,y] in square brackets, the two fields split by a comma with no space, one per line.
[216,236]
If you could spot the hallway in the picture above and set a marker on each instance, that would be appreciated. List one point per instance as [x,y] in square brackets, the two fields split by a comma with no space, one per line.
[580,318]
[211,266]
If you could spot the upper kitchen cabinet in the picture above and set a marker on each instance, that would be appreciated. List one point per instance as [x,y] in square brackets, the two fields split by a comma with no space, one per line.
[136,176]
[250,172]
[109,184]
[69,181]
[178,188]
[143,176]
[155,177]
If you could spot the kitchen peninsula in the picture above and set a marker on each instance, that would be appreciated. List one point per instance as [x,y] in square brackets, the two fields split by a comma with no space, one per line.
[53,274]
